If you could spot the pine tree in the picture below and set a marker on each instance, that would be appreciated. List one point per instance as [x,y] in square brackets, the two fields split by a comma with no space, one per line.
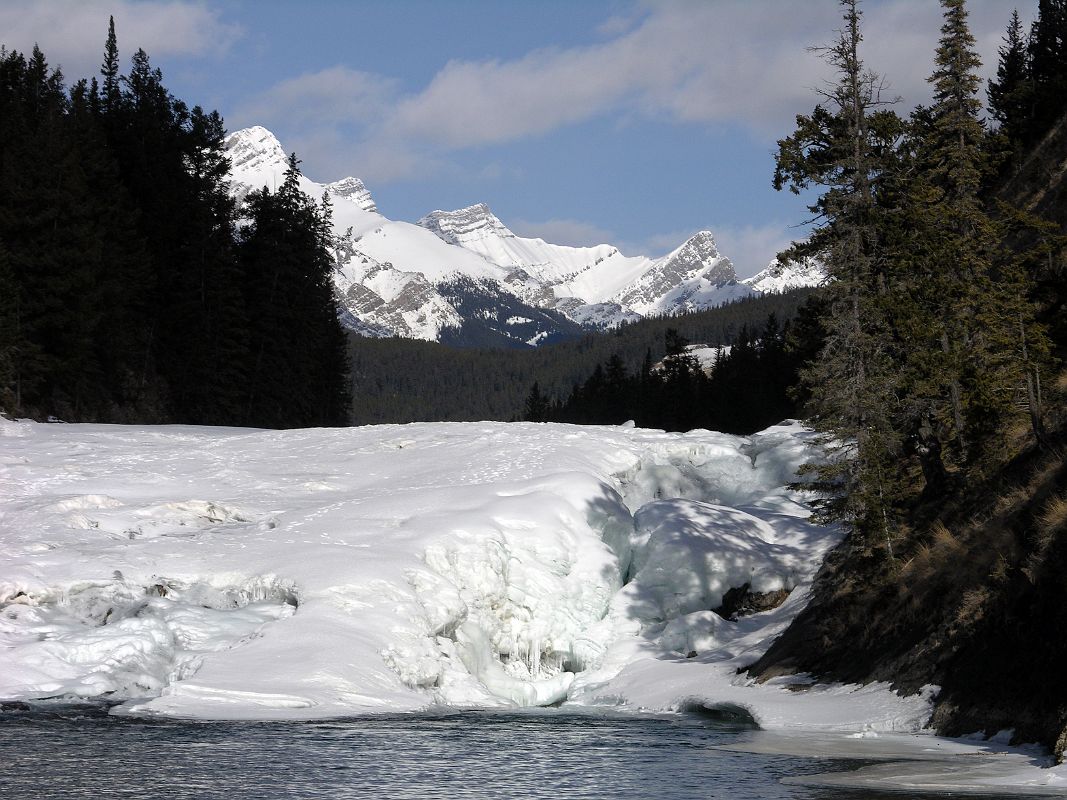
[9,333]
[109,69]
[55,255]
[1047,51]
[972,336]
[207,333]
[299,379]
[1010,91]
[848,148]
[537,407]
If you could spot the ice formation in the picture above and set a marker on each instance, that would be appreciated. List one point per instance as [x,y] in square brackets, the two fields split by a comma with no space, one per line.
[228,573]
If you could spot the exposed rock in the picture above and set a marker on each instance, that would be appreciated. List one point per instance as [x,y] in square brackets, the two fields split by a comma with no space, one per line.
[353,190]
[465,224]
[742,601]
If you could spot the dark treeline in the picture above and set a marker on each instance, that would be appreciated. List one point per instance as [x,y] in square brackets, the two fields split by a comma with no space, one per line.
[746,389]
[443,383]
[128,290]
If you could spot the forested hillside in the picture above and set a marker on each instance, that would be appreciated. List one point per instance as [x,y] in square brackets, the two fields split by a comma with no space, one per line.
[403,380]
[941,381]
[128,291]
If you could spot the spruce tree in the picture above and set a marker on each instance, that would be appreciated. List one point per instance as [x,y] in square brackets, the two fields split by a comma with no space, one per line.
[847,147]
[207,335]
[1010,91]
[537,407]
[973,339]
[10,341]
[109,69]
[299,378]
[1046,51]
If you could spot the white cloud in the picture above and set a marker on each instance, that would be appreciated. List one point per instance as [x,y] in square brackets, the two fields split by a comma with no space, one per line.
[72,34]
[727,61]
[563,231]
[724,61]
[322,99]
[736,62]
[328,154]
[656,244]
[329,117]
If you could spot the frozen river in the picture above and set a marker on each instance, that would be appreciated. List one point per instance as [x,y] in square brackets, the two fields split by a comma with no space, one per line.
[546,754]
[283,579]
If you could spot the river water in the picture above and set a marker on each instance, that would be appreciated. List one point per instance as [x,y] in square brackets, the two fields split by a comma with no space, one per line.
[84,753]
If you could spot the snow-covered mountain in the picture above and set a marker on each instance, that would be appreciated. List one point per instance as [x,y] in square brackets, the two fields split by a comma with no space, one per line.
[463,276]
[782,276]
[595,286]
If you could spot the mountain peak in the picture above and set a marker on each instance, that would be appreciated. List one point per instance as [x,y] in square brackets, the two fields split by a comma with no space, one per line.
[699,254]
[464,224]
[353,190]
[254,148]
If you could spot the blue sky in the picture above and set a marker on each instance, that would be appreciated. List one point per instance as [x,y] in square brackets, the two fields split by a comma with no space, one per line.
[636,122]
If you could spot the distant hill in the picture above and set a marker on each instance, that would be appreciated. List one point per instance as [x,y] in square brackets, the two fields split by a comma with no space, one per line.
[404,380]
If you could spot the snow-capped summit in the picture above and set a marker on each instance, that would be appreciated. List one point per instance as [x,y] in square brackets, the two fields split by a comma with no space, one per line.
[694,276]
[465,224]
[255,149]
[700,255]
[353,190]
[782,276]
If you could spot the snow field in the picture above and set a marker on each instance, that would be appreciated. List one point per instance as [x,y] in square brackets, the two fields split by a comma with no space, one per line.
[226,573]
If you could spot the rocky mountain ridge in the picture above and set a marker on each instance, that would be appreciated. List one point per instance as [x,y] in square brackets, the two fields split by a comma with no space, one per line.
[462,276]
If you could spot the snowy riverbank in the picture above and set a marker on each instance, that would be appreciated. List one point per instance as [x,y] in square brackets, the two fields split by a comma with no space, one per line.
[226,573]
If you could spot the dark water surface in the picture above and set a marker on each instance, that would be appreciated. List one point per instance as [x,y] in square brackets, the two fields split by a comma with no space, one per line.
[83,753]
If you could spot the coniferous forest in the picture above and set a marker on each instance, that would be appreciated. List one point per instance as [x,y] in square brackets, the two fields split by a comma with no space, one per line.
[129,289]
[438,382]
[940,382]
[936,343]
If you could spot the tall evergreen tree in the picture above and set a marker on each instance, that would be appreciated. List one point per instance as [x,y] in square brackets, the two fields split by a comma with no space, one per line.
[1010,91]
[973,338]
[46,213]
[297,378]
[847,147]
[9,332]
[1048,42]
[537,405]
[207,338]
[109,69]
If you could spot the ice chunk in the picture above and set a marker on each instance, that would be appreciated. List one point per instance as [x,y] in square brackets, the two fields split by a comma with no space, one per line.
[120,641]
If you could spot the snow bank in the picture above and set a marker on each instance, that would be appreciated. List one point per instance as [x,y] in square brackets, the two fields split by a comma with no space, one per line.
[227,573]
[918,764]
